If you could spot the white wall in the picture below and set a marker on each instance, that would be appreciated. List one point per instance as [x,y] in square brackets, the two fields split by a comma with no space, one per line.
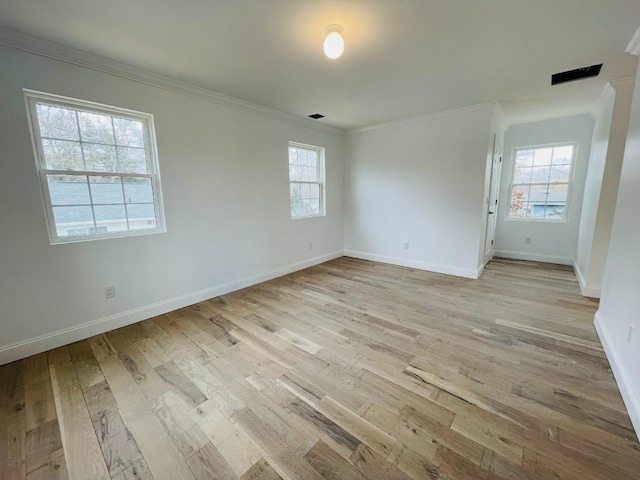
[226,195]
[620,301]
[554,242]
[420,181]
[593,182]
[601,187]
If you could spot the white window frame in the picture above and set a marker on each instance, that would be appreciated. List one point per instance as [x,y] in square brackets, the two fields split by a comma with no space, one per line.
[321,181]
[567,208]
[33,98]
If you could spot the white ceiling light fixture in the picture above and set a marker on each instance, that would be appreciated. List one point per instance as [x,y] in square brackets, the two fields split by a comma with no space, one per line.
[333,43]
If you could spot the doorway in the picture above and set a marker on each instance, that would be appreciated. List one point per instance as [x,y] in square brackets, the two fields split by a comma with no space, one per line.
[492,203]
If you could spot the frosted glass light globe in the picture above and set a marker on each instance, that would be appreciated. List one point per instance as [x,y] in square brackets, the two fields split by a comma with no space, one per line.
[334,43]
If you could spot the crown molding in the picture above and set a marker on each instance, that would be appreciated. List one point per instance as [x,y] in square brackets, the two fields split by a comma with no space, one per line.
[420,118]
[37,46]
[634,45]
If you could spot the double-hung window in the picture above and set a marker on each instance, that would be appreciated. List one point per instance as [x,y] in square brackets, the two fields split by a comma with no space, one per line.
[306,181]
[98,169]
[541,182]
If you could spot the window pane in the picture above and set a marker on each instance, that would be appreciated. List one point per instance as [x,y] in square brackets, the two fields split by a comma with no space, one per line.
[517,207]
[544,194]
[560,173]
[96,164]
[62,155]
[540,174]
[295,207]
[112,217]
[138,190]
[308,174]
[542,157]
[296,199]
[555,211]
[538,194]
[558,194]
[520,193]
[100,158]
[302,157]
[141,217]
[304,167]
[106,190]
[68,189]
[57,122]
[522,175]
[132,160]
[315,206]
[518,210]
[562,155]
[293,173]
[294,191]
[524,158]
[537,210]
[95,128]
[305,207]
[129,133]
[299,173]
[73,221]
[312,158]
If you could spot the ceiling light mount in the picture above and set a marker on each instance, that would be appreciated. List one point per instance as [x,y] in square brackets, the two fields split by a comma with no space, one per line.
[333,43]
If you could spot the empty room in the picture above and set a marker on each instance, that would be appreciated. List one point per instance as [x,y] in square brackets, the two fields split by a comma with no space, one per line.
[319,239]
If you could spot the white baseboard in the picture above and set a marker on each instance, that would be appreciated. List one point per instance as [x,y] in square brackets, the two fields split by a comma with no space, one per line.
[405,262]
[32,346]
[481,269]
[534,257]
[630,395]
[587,290]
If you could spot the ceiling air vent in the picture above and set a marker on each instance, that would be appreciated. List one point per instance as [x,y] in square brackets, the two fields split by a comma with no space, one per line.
[316,116]
[577,74]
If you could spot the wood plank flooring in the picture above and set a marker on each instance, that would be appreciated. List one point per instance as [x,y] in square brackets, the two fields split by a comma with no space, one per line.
[347,370]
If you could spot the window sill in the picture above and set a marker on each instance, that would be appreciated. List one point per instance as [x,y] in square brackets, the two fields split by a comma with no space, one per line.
[537,220]
[91,238]
[309,216]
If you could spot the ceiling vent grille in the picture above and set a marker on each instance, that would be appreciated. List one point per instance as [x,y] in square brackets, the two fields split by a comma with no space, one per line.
[577,74]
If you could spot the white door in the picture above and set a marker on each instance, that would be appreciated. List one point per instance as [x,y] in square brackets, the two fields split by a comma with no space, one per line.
[492,203]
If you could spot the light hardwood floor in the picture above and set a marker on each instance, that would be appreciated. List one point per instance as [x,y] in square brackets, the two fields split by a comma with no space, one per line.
[347,370]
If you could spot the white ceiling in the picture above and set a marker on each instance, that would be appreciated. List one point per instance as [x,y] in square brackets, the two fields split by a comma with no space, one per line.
[402,57]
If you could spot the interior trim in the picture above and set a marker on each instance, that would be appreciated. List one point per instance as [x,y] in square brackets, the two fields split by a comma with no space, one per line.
[630,395]
[33,346]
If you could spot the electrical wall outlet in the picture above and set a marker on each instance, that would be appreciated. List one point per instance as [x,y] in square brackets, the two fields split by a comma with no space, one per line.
[406,245]
[310,245]
[109,291]
[527,240]
[632,333]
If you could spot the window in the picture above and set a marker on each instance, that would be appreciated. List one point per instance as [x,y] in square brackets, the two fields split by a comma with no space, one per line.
[540,183]
[306,180]
[98,169]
